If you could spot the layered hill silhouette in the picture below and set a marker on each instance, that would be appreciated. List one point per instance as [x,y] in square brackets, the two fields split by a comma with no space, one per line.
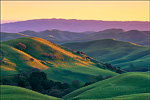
[128,86]
[72,25]
[135,36]
[59,63]
[59,37]
[120,54]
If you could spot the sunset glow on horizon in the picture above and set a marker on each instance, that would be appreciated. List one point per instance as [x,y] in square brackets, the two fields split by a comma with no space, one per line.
[89,10]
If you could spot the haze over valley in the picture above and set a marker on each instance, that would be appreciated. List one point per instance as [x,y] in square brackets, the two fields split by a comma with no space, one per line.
[75,50]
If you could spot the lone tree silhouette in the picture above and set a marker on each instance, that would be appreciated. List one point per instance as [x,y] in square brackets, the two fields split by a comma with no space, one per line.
[21,46]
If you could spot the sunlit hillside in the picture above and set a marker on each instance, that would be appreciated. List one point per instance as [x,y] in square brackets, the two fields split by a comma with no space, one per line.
[59,63]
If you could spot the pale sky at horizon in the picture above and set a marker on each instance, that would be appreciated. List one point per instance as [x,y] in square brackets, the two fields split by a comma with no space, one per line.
[90,10]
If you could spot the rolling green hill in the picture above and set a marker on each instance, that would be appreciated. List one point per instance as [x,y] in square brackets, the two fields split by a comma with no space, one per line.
[120,54]
[18,93]
[60,64]
[127,86]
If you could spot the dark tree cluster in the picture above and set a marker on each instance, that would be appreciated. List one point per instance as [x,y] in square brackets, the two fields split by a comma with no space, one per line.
[37,81]
[117,70]
[109,66]
[79,52]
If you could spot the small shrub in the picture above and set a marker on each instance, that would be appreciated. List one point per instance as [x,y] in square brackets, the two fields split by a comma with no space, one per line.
[56,93]
[62,58]
[44,54]
[108,77]
[56,56]
[51,55]
[43,62]
[109,66]
[78,52]
[82,53]
[32,59]
[55,51]
[88,83]
[119,71]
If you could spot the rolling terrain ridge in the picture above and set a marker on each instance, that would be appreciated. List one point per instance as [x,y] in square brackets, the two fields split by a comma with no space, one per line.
[120,54]
[127,86]
[59,37]
[58,62]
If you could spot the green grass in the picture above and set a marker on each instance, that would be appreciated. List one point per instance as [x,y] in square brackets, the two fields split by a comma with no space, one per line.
[117,53]
[140,96]
[66,71]
[18,93]
[121,85]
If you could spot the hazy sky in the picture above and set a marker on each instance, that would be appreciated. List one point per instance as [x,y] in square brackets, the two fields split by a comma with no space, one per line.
[96,10]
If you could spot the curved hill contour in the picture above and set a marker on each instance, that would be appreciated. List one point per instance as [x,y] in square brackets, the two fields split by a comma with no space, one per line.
[117,53]
[18,93]
[60,64]
[122,86]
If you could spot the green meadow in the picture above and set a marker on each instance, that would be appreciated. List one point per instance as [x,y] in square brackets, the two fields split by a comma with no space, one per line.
[120,54]
[72,67]
[18,93]
[127,86]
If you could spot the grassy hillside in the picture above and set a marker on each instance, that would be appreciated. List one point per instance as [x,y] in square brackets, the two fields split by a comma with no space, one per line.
[65,67]
[125,86]
[117,53]
[8,36]
[18,93]
[140,96]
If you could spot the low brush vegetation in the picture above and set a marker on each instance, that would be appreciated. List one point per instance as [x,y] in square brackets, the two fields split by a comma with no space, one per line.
[38,81]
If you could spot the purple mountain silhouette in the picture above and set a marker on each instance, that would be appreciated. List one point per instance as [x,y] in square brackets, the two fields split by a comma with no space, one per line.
[73,25]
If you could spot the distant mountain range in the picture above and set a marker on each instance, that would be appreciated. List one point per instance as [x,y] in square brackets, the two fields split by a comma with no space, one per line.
[59,37]
[72,25]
